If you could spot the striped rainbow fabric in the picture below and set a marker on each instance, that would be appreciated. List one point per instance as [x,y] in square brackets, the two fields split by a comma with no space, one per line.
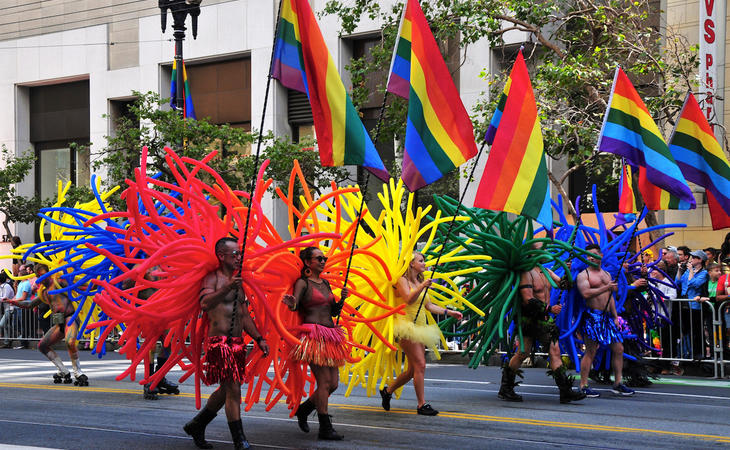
[515,178]
[439,133]
[698,154]
[626,199]
[630,132]
[188,109]
[302,62]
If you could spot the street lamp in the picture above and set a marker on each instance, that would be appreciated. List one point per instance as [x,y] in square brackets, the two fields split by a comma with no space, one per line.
[180,10]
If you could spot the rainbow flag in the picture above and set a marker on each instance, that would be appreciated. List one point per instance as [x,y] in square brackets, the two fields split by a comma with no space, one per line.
[188,109]
[302,62]
[439,133]
[630,132]
[515,178]
[626,199]
[698,154]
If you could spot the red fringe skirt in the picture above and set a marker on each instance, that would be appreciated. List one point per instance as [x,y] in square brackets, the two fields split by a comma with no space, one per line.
[225,359]
[321,345]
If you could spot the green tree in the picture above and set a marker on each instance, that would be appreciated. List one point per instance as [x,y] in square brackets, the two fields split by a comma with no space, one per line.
[574,48]
[148,125]
[16,208]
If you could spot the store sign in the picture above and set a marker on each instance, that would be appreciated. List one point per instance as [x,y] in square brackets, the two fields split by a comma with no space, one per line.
[712,49]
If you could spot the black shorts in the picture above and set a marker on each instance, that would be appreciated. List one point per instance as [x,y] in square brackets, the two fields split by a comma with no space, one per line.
[541,330]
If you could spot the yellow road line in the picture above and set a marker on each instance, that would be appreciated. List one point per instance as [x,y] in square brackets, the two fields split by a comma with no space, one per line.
[62,387]
[541,423]
[450,415]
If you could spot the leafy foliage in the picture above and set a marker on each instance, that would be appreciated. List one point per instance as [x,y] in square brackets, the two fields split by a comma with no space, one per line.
[148,125]
[17,208]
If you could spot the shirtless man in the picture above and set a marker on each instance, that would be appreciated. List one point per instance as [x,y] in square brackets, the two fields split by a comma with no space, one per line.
[223,300]
[61,310]
[600,322]
[536,324]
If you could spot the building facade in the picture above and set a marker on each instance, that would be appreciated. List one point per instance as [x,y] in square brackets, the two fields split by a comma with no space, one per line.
[69,68]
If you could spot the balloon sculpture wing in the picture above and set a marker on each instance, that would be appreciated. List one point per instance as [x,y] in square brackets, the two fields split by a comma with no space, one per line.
[68,258]
[490,253]
[384,249]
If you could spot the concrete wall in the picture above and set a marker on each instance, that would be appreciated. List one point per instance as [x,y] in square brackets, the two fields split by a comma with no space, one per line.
[243,27]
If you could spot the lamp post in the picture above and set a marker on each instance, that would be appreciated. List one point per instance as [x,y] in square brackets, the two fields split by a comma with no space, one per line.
[180,10]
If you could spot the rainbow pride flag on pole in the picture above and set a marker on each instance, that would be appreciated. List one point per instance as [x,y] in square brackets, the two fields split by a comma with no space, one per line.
[439,133]
[515,178]
[698,154]
[188,108]
[630,132]
[302,62]
[626,199]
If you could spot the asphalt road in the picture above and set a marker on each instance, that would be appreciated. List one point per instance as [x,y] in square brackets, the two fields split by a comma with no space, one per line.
[674,413]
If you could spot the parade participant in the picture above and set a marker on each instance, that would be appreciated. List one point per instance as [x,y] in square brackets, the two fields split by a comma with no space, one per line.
[414,334]
[322,343]
[537,325]
[600,322]
[165,386]
[61,309]
[224,303]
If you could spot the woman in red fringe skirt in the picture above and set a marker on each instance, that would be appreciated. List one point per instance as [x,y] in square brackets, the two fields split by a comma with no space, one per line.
[321,343]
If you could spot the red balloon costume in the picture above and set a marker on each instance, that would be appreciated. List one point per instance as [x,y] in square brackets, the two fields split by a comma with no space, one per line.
[180,241]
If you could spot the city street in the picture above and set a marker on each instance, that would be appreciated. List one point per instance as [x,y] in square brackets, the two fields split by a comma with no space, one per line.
[674,413]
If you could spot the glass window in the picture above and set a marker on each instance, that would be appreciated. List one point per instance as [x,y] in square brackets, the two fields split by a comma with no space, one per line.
[55,165]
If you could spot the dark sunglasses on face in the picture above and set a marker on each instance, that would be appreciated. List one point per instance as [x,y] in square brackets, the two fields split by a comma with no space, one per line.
[235,253]
[322,259]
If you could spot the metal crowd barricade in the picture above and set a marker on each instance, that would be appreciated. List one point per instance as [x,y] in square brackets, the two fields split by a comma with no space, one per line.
[693,334]
[721,326]
[24,325]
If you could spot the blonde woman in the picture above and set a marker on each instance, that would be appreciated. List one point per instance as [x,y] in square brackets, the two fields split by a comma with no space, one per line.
[414,334]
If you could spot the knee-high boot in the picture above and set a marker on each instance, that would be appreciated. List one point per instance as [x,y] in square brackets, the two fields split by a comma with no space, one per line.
[507,386]
[239,438]
[304,410]
[196,427]
[565,385]
[326,431]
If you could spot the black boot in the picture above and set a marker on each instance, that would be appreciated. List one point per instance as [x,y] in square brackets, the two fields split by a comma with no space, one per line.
[507,387]
[196,427]
[304,410]
[565,384]
[150,394]
[325,428]
[239,439]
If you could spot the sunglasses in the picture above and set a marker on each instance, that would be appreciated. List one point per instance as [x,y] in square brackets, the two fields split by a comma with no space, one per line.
[235,253]
[322,259]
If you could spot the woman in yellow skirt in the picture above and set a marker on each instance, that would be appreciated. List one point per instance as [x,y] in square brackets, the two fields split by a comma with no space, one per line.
[414,334]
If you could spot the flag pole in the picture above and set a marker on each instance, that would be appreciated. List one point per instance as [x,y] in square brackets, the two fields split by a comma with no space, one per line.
[363,192]
[261,134]
[451,226]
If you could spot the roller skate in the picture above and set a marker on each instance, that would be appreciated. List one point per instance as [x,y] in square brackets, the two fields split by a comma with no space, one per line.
[67,378]
[58,378]
[166,386]
[150,394]
[81,380]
